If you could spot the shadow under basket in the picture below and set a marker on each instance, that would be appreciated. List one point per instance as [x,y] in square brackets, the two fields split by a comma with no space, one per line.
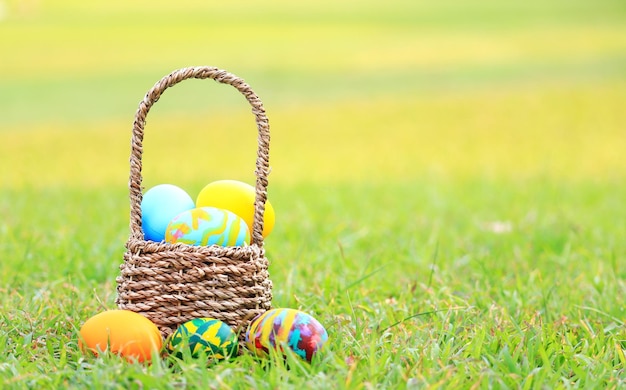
[171,284]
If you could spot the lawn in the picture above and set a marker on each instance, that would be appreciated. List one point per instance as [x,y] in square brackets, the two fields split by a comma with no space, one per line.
[448,181]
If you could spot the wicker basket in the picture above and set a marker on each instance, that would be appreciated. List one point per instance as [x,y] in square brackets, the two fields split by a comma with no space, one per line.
[173,283]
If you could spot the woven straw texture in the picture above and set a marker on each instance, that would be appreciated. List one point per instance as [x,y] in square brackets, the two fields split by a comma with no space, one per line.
[174,283]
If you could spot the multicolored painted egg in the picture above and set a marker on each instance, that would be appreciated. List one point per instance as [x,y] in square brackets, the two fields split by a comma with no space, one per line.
[238,197]
[159,205]
[208,226]
[279,328]
[204,335]
[121,332]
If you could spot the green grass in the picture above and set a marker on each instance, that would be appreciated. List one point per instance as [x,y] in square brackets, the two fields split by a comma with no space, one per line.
[448,181]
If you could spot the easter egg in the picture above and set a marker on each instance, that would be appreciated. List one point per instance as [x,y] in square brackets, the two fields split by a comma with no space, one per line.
[159,205]
[279,328]
[208,226]
[204,335]
[237,197]
[121,332]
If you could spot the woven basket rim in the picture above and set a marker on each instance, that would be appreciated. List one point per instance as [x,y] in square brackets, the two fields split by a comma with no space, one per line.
[147,247]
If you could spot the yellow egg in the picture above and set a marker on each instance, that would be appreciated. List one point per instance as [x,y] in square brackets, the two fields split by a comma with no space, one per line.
[121,332]
[237,197]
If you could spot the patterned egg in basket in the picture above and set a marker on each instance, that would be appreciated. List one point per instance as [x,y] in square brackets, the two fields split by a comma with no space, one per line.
[208,226]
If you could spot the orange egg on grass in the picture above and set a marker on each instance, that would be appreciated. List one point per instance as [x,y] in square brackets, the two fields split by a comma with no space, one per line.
[121,332]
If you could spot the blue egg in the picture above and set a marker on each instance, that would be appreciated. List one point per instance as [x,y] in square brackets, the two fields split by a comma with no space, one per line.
[159,205]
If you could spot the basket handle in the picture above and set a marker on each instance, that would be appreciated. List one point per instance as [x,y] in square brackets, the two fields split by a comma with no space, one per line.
[262,161]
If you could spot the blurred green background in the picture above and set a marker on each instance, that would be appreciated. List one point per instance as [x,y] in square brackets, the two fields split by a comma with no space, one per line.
[354,90]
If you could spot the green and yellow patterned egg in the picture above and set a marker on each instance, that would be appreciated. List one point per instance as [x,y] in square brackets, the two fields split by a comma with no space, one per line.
[207,336]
